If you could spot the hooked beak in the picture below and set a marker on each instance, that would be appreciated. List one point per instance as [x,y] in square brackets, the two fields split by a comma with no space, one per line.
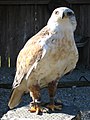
[63,15]
[67,14]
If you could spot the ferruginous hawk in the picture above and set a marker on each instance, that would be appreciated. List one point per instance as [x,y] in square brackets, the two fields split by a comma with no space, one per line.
[45,58]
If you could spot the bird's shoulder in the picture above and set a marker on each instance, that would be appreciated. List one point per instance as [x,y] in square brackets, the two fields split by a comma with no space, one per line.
[33,48]
[43,33]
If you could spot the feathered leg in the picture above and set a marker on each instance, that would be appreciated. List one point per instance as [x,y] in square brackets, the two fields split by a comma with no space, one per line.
[52,86]
[35,105]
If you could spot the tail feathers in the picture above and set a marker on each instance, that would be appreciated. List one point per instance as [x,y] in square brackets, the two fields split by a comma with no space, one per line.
[17,94]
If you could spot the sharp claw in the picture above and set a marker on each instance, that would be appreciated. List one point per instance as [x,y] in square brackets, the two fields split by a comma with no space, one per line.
[38,110]
[51,107]
[45,110]
[59,107]
[41,110]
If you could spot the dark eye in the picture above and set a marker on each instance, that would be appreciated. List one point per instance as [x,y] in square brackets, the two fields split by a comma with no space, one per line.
[56,12]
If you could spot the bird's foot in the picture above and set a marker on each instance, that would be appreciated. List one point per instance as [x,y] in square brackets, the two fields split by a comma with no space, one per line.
[54,107]
[38,108]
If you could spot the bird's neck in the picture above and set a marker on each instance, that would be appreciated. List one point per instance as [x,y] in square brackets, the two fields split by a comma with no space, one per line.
[62,25]
[63,29]
[53,25]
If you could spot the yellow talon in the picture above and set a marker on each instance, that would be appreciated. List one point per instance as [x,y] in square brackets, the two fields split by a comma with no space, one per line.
[53,107]
[38,109]
[32,109]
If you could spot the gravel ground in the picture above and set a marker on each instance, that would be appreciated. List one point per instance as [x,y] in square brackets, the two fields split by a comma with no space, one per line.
[79,96]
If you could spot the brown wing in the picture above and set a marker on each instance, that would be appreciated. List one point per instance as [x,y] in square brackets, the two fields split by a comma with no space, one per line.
[29,57]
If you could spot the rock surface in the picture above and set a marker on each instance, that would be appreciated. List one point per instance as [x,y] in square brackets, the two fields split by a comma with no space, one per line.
[79,96]
[67,113]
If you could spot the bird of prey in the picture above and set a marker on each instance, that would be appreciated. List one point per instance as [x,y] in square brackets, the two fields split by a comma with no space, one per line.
[45,58]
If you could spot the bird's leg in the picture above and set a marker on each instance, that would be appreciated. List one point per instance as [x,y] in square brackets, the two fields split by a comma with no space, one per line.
[35,105]
[52,86]
[35,94]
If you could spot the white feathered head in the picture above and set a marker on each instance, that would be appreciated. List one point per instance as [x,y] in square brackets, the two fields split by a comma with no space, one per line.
[63,16]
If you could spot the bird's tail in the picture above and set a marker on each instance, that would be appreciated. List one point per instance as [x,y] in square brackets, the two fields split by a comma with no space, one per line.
[16,94]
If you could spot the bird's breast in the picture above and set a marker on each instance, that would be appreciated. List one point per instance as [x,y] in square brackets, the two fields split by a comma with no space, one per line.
[59,59]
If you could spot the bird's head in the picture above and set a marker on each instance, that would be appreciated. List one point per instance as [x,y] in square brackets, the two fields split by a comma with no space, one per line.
[63,16]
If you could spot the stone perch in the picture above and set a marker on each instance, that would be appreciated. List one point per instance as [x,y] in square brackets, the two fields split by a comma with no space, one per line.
[70,112]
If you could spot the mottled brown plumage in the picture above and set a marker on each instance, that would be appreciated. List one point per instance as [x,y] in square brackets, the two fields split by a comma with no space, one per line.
[45,58]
